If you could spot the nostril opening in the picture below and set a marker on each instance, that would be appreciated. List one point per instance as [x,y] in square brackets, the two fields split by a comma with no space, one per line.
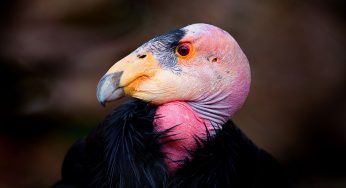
[214,60]
[141,56]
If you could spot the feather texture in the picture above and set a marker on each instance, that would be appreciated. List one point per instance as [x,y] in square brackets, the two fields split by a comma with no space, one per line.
[124,151]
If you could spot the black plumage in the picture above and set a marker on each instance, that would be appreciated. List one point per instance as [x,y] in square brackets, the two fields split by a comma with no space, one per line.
[124,151]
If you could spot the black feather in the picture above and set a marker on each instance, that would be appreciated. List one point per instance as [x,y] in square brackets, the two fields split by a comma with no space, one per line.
[124,151]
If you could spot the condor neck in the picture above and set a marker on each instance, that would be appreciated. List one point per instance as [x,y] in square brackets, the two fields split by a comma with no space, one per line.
[181,123]
[217,108]
[217,114]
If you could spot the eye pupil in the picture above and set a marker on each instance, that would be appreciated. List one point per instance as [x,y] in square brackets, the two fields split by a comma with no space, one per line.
[183,50]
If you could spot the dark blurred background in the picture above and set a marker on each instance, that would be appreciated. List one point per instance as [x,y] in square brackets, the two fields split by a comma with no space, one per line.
[52,54]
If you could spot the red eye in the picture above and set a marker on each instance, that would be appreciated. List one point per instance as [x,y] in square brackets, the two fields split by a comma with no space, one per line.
[183,49]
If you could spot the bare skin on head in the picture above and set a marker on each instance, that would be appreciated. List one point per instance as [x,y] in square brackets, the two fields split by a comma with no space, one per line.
[198,75]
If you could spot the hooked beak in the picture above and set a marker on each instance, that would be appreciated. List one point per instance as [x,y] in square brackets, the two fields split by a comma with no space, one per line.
[108,88]
[125,77]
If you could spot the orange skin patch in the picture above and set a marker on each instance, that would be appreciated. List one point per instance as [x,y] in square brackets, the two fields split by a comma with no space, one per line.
[138,69]
[135,71]
[134,86]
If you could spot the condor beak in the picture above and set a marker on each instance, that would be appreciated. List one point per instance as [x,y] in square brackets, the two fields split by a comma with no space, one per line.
[108,88]
[125,76]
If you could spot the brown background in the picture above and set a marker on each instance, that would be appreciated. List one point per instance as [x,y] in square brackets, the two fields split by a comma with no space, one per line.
[52,54]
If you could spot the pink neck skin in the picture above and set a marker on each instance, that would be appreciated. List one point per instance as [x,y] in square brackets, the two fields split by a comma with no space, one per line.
[188,120]
[186,124]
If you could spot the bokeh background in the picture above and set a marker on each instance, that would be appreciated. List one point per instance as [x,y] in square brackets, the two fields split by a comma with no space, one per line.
[53,52]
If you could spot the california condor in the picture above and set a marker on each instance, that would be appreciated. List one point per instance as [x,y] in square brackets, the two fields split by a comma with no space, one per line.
[177,132]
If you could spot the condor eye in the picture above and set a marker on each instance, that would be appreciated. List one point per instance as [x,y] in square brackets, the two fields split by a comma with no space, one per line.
[184,49]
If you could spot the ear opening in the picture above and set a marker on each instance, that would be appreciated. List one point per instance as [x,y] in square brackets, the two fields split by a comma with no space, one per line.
[213,59]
